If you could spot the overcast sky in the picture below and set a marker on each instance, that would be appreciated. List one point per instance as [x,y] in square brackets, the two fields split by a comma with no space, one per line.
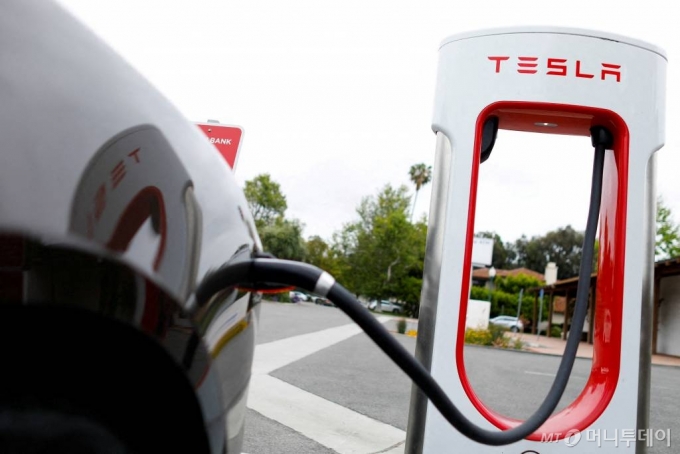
[336,97]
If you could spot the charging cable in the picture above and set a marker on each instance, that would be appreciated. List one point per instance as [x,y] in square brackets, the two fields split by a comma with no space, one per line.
[265,273]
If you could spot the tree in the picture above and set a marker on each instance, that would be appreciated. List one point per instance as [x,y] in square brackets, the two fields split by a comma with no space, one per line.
[381,254]
[562,246]
[389,201]
[283,238]
[324,256]
[265,200]
[513,284]
[667,233]
[420,175]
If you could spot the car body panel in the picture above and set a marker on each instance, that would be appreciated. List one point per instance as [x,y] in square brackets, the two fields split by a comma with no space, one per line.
[97,162]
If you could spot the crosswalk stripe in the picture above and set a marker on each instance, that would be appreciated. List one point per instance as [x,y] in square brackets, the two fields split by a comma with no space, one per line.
[327,423]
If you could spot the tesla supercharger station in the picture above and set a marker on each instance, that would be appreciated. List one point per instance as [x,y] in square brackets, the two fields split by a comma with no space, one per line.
[556,81]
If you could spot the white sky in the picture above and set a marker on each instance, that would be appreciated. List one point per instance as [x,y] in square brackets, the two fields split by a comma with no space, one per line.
[336,97]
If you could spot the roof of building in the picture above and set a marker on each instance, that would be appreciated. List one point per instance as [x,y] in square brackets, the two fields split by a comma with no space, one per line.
[668,267]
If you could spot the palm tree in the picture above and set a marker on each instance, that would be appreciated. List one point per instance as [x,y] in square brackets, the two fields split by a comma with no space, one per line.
[420,175]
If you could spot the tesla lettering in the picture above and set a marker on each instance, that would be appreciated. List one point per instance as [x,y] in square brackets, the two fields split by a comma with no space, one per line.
[557,67]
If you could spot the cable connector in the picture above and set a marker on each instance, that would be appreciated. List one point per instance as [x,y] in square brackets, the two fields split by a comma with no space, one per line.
[599,135]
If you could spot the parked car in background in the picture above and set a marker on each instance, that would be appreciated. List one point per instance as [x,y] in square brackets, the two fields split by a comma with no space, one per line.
[512,323]
[392,308]
[296,296]
[323,301]
[385,306]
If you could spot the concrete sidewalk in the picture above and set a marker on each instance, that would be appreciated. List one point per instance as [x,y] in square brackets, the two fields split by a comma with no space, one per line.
[544,345]
[555,346]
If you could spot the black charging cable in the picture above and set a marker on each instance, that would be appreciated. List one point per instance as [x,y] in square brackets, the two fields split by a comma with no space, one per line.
[263,273]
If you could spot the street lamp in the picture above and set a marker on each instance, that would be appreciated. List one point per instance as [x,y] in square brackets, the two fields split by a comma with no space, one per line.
[492,274]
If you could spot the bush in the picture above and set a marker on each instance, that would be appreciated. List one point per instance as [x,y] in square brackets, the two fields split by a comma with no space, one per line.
[478,336]
[479,293]
[556,331]
[401,326]
[497,332]
[518,344]
[513,284]
[283,297]
[494,336]
[502,342]
[507,301]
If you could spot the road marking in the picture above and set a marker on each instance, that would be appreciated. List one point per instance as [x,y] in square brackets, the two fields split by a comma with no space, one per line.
[531,372]
[280,353]
[545,374]
[396,449]
[327,423]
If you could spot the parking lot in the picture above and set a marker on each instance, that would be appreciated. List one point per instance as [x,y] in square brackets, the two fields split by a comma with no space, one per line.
[321,386]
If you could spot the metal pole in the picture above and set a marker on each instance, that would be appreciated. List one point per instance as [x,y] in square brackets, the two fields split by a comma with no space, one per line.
[540,314]
[519,304]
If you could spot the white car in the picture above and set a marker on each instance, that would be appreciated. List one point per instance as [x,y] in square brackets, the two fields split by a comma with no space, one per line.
[512,323]
[388,306]
[298,296]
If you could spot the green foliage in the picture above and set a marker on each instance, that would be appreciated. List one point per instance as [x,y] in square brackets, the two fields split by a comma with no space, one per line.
[381,254]
[283,297]
[283,238]
[503,303]
[408,288]
[322,255]
[420,175]
[265,200]
[493,336]
[401,326]
[513,284]
[497,332]
[478,336]
[562,246]
[480,293]
[667,233]
[280,236]
[555,331]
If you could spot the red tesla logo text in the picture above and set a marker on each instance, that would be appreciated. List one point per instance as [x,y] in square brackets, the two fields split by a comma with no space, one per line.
[558,67]
[117,174]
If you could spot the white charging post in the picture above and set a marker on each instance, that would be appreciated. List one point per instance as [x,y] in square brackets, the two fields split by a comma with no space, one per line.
[557,81]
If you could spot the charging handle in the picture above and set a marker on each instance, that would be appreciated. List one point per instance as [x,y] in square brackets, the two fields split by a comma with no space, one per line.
[489,134]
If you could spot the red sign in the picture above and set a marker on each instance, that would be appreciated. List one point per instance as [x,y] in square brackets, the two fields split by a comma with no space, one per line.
[226,138]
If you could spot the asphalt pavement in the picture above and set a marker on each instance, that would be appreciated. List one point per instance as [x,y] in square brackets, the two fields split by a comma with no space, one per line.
[354,374]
